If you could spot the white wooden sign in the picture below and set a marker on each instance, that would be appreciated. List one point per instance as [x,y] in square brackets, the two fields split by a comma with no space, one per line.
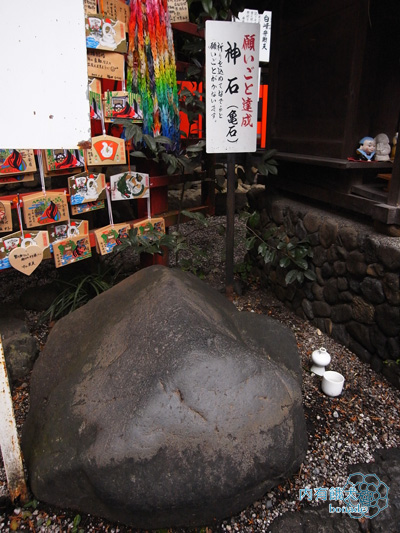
[231,86]
[9,443]
[252,15]
[44,74]
[178,10]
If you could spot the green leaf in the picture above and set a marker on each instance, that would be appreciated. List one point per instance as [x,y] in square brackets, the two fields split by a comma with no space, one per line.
[254,219]
[221,230]
[271,169]
[284,262]
[269,256]
[171,161]
[31,504]
[302,263]
[133,131]
[207,5]
[161,139]
[262,169]
[193,70]
[150,142]
[194,215]
[198,64]
[301,252]
[309,274]
[269,233]
[269,153]
[244,215]
[262,249]
[249,243]
[300,276]
[196,147]
[137,153]
[291,276]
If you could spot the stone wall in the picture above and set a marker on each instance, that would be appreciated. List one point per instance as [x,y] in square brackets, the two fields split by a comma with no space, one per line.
[355,297]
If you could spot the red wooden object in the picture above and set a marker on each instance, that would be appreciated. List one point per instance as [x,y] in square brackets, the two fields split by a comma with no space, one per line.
[262,123]
[195,129]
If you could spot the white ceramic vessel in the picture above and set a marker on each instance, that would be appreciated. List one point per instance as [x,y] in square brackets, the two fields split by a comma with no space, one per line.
[332,383]
[320,359]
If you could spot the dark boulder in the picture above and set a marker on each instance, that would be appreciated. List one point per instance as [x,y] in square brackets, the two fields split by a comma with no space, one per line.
[158,404]
[20,347]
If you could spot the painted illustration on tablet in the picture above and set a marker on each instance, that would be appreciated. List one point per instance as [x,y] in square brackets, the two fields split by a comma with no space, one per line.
[129,186]
[95,98]
[122,104]
[86,187]
[106,150]
[71,250]
[105,34]
[64,159]
[5,216]
[40,209]
[17,161]
[87,207]
[110,236]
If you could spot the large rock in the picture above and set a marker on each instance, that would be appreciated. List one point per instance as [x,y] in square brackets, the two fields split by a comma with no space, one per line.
[158,404]
[20,347]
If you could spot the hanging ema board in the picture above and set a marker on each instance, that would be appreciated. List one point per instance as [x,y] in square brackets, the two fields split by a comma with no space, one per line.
[44,66]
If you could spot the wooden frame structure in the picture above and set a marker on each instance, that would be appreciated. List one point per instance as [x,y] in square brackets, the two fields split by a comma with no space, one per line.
[334,78]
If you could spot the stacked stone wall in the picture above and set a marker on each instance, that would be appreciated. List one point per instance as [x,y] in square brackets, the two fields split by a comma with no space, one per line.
[356,295]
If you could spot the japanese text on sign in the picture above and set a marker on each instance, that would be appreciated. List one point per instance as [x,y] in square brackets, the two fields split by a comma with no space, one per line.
[107,65]
[252,15]
[178,10]
[231,86]
[117,10]
[90,7]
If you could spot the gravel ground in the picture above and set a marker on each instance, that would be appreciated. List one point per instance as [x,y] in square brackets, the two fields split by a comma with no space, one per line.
[342,431]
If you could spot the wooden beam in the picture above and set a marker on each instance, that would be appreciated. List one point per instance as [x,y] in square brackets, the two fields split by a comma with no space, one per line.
[188,27]
[386,213]
[170,218]
[394,189]
[377,211]
[332,162]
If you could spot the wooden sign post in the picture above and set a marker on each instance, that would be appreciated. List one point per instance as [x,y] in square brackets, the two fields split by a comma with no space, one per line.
[9,443]
[232,64]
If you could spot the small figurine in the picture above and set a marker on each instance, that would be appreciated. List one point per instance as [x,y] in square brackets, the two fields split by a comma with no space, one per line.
[366,151]
[382,147]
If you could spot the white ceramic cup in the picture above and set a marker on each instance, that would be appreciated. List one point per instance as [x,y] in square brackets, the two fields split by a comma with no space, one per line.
[332,383]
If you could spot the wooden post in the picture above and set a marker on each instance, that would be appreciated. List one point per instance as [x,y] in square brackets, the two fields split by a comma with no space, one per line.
[9,443]
[230,225]
[208,185]
[394,188]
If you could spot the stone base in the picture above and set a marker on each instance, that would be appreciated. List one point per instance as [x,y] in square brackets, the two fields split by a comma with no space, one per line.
[356,295]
